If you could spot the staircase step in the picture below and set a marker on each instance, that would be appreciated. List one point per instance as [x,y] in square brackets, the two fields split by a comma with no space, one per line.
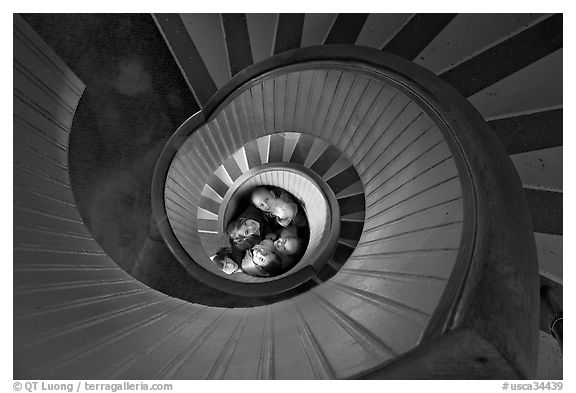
[241,160]
[222,173]
[417,34]
[288,32]
[540,168]
[351,204]
[338,167]
[264,148]
[357,217]
[349,242]
[511,55]
[218,186]
[207,226]
[381,28]
[206,215]
[302,149]
[342,253]
[261,29]
[343,180]
[209,205]
[325,160]
[237,42]
[316,28]
[550,256]
[514,95]
[470,34]
[290,141]
[187,56]
[276,148]
[345,29]
[546,210]
[207,33]
[351,230]
[252,154]
[534,131]
[232,168]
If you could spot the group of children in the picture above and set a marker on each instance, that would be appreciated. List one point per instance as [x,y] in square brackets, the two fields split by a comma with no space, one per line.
[266,239]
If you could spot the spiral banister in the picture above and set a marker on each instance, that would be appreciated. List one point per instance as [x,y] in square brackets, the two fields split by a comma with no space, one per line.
[454,118]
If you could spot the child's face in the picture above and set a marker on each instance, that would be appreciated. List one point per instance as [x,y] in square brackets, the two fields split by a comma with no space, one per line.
[284,211]
[262,256]
[248,228]
[263,199]
[286,245]
[256,261]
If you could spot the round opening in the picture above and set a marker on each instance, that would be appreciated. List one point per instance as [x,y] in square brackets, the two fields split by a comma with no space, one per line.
[279,224]
[201,202]
[322,216]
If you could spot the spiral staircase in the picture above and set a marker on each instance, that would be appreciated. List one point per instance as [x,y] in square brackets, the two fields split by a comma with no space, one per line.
[424,255]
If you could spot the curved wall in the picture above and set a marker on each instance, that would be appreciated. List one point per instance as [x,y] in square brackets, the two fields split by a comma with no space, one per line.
[69,296]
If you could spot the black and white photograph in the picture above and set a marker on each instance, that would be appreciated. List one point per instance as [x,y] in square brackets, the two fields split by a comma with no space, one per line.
[287,196]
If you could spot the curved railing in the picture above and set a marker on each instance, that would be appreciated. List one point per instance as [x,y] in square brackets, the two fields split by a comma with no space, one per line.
[77,315]
[467,145]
